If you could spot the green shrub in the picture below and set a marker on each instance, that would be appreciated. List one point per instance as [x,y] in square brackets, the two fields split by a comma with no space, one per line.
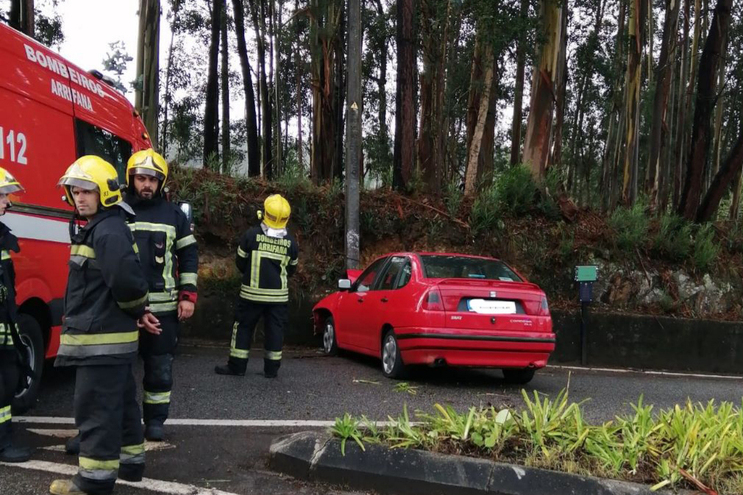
[516,190]
[705,247]
[630,226]
[453,197]
[485,213]
[674,237]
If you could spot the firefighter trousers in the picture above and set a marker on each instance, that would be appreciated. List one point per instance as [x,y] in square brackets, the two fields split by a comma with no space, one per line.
[9,375]
[158,353]
[247,314]
[111,437]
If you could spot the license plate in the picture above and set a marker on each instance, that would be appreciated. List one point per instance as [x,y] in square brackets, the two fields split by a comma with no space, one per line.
[488,307]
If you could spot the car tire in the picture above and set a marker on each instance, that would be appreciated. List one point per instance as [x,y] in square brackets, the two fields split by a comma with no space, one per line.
[30,333]
[392,365]
[518,376]
[329,340]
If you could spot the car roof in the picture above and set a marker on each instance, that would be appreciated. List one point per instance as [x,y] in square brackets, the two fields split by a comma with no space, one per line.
[428,253]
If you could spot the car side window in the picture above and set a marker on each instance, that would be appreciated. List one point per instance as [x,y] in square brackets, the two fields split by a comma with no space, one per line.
[405,274]
[92,140]
[366,280]
[391,273]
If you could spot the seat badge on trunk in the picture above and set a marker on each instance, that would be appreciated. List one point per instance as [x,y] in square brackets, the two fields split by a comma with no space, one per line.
[492,320]
[492,293]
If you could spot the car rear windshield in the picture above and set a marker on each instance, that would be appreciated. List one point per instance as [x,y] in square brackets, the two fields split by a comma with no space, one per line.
[437,266]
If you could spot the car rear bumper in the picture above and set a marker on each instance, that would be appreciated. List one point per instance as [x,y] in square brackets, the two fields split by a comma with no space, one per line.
[435,346]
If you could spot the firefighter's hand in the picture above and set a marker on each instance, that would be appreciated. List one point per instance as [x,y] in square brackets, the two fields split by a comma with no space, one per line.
[150,324]
[185,310]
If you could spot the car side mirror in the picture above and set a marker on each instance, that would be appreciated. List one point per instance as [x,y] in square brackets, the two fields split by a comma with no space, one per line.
[344,284]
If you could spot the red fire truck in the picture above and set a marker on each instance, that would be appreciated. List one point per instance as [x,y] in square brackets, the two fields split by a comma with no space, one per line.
[51,113]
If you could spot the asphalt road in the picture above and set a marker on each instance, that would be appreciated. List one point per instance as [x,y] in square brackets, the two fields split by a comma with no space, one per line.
[311,387]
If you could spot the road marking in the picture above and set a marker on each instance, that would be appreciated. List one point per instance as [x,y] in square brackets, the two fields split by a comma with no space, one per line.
[168,487]
[645,372]
[249,423]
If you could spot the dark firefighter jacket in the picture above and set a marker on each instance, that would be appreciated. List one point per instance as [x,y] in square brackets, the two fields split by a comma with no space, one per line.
[106,294]
[266,264]
[167,251]
[8,242]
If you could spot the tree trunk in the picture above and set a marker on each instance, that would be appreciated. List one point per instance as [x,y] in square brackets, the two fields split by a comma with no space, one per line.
[298,85]
[324,27]
[259,24]
[225,93]
[735,205]
[340,95]
[637,23]
[168,96]
[254,160]
[706,94]
[21,16]
[662,87]
[679,156]
[519,90]
[730,168]
[539,126]
[404,157]
[275,19]
[471,174]
[211,107]
[146,98]
[561,78]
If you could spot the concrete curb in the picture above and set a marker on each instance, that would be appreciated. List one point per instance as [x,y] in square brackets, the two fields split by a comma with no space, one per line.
[316,456]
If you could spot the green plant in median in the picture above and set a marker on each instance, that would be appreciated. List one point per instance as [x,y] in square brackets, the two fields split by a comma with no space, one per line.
[345,428]
[703,441]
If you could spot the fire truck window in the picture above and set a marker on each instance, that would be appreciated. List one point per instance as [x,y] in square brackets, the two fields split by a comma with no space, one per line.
[92,140]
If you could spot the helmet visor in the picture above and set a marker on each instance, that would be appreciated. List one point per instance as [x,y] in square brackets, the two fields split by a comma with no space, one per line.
[76,182]
[146,171]
[11,188]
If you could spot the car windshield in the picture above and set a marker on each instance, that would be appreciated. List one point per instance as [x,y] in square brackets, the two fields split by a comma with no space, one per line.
[439,266]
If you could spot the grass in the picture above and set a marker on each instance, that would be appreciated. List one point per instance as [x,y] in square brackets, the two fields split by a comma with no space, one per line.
[673,448]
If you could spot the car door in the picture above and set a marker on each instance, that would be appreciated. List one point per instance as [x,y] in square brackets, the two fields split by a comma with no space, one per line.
[380,301]
[352,309]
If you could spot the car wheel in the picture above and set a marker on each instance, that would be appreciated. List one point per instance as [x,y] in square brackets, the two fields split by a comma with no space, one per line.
[30,333]
[518,376]
[329,341]
[392,365]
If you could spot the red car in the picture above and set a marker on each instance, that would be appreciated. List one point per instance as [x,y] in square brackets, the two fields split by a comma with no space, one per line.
[439,309]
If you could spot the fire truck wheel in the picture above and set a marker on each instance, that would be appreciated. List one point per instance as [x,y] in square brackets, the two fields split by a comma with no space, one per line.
[30,333]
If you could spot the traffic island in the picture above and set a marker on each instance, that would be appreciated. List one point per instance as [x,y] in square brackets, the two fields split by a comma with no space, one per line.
[317,456]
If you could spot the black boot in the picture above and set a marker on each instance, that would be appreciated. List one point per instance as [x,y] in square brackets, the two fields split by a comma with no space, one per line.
[15,454]
[72,446]
[154,432]
[229,369]
[271,368]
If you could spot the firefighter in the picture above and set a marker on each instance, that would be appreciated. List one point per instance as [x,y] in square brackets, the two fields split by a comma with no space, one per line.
[170,261]
[266,257]
[9,365]
[105,303]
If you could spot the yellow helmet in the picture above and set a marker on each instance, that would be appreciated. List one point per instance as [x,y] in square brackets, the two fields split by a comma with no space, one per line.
[8,183]
[93,174]
[147,162]
[276,211]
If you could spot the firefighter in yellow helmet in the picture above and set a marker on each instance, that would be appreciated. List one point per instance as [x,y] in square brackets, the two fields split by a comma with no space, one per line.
[9,357]
[170,260]
[105,303]
[266,256]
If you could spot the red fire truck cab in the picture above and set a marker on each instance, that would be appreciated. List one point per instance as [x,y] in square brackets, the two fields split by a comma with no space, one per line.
[51,113]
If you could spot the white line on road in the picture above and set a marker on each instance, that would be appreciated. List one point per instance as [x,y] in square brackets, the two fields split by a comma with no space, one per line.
[250,423]
[645,372]
[168,487]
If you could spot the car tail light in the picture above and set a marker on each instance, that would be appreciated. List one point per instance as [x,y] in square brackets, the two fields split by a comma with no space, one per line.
[544,308]
[433,301]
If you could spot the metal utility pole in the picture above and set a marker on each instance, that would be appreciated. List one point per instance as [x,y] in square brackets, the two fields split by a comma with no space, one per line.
[353,134]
